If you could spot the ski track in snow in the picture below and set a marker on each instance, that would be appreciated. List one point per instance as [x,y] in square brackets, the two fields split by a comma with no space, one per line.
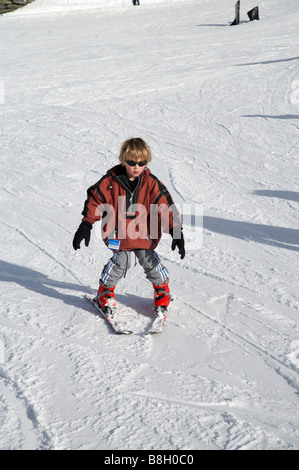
[221,117]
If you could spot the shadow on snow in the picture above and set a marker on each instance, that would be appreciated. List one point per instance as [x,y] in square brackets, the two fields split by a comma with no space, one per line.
[281,237]
[38,282]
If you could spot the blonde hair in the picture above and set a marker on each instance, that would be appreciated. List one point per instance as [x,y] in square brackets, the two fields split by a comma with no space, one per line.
[135,149]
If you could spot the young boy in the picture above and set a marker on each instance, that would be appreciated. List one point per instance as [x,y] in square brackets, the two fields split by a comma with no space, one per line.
[135,208]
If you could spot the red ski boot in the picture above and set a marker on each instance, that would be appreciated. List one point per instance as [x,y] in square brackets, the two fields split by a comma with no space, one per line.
[162,296]
[106,297]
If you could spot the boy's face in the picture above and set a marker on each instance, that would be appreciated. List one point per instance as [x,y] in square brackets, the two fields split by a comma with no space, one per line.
[134,171]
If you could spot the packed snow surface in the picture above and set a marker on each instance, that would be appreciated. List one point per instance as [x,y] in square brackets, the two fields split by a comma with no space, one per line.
[54,6]
[219,107]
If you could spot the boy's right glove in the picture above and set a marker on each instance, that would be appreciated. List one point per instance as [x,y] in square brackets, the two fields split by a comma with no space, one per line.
[82,233]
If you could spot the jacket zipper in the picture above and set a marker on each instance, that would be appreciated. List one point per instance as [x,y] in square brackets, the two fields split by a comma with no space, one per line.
[128,189]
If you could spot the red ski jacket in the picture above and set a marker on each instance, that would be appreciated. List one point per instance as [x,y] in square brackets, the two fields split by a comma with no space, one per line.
[132,217]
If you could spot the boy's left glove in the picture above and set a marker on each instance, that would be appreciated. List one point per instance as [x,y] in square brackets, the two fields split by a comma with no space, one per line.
[180,243]
[83,233]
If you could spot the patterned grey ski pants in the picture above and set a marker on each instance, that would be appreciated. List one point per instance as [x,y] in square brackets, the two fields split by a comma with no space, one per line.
[120,263]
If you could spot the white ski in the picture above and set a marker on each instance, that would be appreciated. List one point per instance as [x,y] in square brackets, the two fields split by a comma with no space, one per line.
[159,322]
[110,314]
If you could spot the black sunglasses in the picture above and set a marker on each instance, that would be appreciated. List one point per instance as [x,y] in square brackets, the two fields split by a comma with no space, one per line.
[133,163]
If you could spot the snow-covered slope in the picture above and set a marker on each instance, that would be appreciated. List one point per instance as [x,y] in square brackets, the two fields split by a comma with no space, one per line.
[55,6]
[219,106]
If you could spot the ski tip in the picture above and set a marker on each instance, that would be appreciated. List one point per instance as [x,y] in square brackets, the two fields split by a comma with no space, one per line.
[88,297]
[125,332]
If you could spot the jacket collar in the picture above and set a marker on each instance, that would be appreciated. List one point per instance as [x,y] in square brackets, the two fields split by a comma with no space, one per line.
[120,172]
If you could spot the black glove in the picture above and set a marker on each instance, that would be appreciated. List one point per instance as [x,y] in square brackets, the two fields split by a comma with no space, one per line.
[82,233]
[180,243]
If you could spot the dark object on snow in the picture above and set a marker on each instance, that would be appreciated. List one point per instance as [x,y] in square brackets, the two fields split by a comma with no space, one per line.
[253,14]
[136,2]
[237,13]
[83,233]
